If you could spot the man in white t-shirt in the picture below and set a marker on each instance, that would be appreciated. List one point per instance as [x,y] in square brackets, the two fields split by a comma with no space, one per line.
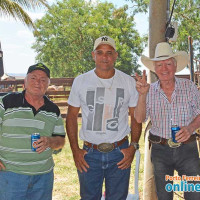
[105,96]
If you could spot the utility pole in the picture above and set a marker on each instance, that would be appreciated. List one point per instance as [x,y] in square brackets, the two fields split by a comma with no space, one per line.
[157,25]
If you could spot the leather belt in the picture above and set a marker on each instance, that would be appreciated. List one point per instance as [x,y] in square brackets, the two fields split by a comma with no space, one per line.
[106,147]
[156,139]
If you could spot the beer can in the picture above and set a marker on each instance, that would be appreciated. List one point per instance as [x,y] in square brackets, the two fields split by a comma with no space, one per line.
[174,129]
[34,138]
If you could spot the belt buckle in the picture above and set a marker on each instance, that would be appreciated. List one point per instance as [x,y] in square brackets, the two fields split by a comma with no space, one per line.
[105,147]
[173,144]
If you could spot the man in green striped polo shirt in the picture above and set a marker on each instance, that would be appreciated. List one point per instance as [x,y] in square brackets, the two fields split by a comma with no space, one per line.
[25,174]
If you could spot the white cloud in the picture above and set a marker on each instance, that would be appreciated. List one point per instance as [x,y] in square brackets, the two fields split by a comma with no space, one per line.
[25,34]
[142,23]
[36,15]
[12,46]
[7,19]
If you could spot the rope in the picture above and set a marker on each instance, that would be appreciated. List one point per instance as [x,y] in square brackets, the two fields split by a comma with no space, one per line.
[179,195]
[171,14]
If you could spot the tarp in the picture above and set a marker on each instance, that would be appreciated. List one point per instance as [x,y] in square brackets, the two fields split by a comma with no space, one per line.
[149,188]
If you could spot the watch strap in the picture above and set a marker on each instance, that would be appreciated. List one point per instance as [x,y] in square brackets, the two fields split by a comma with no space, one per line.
[135,145]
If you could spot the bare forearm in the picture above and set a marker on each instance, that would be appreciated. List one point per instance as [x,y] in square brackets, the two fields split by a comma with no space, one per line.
[140,110]
[56,142]
[136,130]
[185,133]
[72,131]
[195,124]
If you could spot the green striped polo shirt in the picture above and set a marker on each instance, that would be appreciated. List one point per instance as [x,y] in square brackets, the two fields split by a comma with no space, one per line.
[18,120]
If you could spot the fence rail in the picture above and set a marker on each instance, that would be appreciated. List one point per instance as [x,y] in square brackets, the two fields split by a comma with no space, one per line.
[59,93]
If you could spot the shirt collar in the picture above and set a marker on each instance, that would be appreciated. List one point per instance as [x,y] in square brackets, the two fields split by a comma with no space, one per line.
[25,102]
[158,88]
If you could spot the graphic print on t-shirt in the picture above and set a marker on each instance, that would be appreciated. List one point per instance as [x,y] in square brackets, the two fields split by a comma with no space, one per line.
[103,116]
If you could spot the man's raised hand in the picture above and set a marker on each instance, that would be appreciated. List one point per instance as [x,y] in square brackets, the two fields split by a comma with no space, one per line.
[141,85]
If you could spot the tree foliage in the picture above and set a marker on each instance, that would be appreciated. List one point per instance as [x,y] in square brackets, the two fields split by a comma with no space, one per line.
[16,10]
[139,6]
[187,14]
[67,32]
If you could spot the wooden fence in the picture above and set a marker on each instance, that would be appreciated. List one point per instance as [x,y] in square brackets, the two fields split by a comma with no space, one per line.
[58,91]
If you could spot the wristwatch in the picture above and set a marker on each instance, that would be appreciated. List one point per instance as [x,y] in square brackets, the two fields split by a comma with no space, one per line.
[135,145]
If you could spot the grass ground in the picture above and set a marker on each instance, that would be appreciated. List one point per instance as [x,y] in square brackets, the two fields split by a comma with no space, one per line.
[66,185]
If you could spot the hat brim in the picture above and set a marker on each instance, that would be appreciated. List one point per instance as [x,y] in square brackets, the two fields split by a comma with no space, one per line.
[181,57]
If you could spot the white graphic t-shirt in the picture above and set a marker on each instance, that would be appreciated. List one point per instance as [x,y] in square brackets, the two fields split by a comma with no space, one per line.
[104,105]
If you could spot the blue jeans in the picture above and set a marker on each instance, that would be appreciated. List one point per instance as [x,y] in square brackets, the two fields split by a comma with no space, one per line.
[184,159]
[104,166]
[26,187]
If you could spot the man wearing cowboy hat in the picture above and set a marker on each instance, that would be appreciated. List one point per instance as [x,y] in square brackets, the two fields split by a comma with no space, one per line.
[168,102]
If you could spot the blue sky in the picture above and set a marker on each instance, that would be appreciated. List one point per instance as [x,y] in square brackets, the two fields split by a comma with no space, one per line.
[16,40]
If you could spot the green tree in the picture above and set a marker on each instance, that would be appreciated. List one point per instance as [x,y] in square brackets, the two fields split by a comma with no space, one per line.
[67,32]
[15,9]
[187,14]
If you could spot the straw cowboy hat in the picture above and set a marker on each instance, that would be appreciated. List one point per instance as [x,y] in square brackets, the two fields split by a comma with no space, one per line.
[163,52]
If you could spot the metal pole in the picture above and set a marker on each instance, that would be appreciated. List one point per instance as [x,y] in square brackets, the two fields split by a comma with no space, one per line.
[1,62]
[191,59]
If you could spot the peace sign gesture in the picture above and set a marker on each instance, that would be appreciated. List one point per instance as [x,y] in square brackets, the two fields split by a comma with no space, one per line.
[141,85]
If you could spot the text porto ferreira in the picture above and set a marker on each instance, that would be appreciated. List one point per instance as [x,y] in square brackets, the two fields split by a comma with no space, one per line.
[185,183]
